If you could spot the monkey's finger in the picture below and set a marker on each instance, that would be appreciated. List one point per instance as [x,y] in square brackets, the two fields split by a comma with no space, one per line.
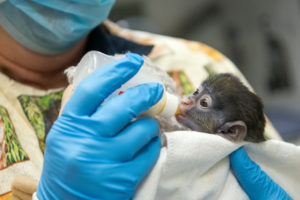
[92,91]
[120,110]
[256,183]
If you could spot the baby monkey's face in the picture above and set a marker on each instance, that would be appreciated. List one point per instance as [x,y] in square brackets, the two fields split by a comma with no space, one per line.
[222,105]
[197,111]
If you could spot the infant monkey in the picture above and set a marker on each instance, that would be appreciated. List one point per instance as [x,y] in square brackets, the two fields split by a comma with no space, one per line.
[222,105]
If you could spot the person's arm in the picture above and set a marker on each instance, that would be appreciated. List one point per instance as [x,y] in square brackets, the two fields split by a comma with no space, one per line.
[256,183]
[96,151]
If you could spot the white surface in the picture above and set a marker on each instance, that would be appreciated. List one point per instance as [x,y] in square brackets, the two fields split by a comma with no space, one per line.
[196,166]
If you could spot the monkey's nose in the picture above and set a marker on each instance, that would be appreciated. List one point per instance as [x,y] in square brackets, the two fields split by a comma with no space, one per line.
[187,101]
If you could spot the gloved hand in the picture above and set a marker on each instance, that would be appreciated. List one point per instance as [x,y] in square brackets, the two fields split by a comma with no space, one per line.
[96,151]
[256,183]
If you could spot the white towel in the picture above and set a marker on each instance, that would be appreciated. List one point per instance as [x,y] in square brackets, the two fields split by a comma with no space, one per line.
[196,166]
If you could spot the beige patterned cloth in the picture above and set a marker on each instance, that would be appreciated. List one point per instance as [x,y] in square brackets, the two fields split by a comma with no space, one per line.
[187,62]
[22,151]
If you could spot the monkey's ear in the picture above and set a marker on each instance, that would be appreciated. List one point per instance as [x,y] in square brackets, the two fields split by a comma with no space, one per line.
[234,131]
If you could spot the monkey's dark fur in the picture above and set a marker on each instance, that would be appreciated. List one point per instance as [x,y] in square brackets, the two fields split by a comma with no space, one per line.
[238,103]
[231,102]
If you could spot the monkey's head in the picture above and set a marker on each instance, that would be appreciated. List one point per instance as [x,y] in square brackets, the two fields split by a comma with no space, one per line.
[224,106]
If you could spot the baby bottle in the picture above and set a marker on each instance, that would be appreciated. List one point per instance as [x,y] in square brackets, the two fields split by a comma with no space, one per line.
[168,105]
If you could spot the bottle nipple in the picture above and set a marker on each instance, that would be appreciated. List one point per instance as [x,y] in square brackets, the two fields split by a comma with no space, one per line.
[171,105]
[178,111]
[167,107]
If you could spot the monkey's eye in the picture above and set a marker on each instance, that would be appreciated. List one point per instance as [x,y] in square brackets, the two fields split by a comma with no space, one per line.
[205,101]
[196,92]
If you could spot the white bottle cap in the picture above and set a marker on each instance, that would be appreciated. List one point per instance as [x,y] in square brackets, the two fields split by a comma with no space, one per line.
[171,106]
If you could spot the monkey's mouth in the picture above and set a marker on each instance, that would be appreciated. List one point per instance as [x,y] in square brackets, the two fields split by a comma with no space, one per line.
[180,117]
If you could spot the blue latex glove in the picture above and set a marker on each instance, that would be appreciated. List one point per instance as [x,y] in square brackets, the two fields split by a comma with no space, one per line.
[95,151]
[256,183]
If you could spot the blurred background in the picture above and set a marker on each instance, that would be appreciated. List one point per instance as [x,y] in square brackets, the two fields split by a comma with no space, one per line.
[261,37]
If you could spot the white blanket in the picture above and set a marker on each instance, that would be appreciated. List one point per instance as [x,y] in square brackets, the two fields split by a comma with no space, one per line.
[196,166]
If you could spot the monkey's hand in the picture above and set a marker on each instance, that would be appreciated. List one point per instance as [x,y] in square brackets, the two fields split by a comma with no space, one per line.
[96,151]
[256,183]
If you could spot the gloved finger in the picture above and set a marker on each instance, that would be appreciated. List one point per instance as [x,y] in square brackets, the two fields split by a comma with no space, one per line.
[91,92]
[121,148]
[146,159]
[134,137]
[256,183]
[120,110]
